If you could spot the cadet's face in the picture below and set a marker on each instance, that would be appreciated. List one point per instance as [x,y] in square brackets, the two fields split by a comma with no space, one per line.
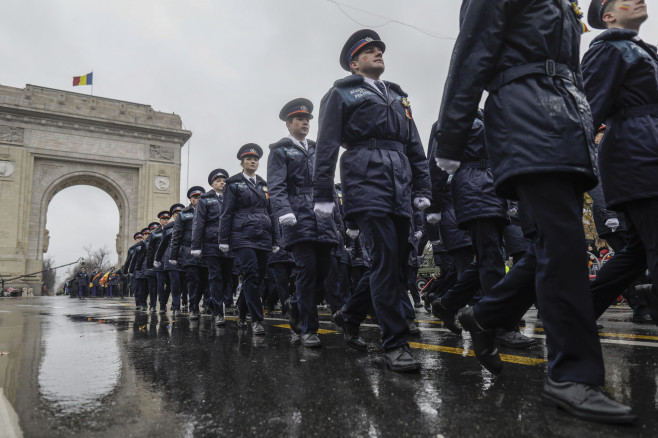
[163,221]
[298,126]
[194,199]
[175,215]
[250,163]
[369,61]
[627,14]
[218,184]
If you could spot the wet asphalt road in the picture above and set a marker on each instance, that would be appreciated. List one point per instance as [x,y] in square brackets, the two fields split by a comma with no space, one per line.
[97,368]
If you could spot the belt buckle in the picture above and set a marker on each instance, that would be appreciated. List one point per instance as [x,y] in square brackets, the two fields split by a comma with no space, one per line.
[550,67]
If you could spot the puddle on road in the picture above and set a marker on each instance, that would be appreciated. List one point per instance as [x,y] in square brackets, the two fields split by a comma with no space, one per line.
[80,366]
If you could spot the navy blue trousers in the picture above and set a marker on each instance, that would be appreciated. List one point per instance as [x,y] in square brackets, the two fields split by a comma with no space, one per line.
[152,290]
[164,288]
[253,264]
[554,271]
[640,253]
[175,283]
[385,282]
[489,269]
[220,282]
[197,283]
[314,271]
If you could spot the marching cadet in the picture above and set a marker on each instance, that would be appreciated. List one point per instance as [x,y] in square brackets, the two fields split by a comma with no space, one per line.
[149,273]
[125,269]
[483,214]
[162,279]
[205,235]
[180,252]
[136,263]
[620,72]
[83,282]
[248,228]
[280,267]
[174,272]
[383,171]
[309,237]
[546,162]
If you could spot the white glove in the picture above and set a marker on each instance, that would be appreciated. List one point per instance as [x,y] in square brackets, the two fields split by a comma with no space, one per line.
[421,203]
[196,252]
[275,249]
[223,247]
[434,218]
[449,166]
[157,264]
[612,223]
[173,262]
[352,233]
[418,235]
[288,219]
[323,209]
[513,211]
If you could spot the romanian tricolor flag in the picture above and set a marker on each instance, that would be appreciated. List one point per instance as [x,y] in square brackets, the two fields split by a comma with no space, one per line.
[87,79]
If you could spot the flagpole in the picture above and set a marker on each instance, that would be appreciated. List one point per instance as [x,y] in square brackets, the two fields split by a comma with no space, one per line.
[92,81]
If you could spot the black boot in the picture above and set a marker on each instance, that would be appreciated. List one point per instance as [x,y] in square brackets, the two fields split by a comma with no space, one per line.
[651,296]
[350,332]
[586,401]
[400,360]
[446,315]
[484,341]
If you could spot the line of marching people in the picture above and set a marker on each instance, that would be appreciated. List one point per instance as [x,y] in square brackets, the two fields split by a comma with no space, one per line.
[507,179]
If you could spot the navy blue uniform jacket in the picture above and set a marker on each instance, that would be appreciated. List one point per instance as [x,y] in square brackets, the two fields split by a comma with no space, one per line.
[290,176]
[537,120]
[384,166]
[181,239]
[155,238]
[473,192]
[621,77]
[205,228]
[247,220]
[163,253]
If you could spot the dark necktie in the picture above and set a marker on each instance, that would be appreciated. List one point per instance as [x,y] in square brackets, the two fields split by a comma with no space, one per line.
[252,181]
[382,87]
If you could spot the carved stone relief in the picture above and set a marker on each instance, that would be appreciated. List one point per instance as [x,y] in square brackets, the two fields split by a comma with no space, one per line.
[161,153]
[7,169]
[11,134]
[162,183]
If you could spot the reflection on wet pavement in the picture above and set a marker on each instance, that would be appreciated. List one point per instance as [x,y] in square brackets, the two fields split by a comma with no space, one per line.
[80,365]
[108,370]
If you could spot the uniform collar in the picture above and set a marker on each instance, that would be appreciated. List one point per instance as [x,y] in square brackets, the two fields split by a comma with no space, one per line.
[303,145]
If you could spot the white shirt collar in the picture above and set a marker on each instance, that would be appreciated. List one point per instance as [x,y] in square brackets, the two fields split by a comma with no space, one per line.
[372,83]
[303,144]
[245,176]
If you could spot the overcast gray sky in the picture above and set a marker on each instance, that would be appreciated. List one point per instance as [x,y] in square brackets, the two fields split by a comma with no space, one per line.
[225,66]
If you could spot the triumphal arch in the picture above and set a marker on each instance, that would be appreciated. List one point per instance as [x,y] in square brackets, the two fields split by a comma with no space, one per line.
[53,139]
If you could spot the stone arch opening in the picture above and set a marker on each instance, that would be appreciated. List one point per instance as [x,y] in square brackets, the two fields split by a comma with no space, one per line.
[85,178]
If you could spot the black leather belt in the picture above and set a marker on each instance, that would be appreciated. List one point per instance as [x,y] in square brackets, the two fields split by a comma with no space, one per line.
[482,164]
[374,143]
[300,190]
[546,68]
